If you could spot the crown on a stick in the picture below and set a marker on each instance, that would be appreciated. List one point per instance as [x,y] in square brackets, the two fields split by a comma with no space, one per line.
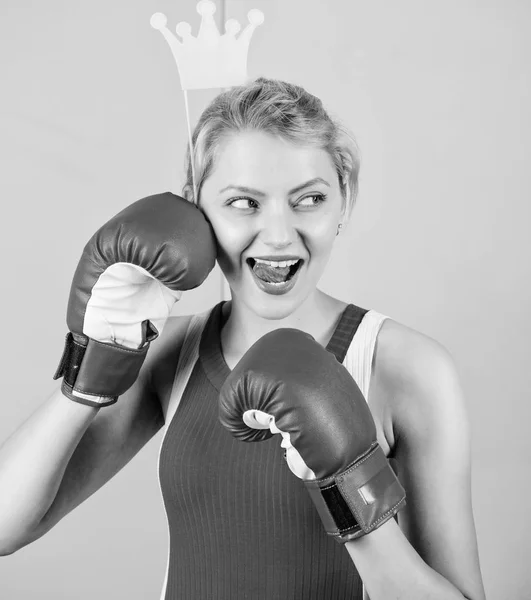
[210,60]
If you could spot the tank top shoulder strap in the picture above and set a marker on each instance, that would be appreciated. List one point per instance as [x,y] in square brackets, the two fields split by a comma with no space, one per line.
[345,330]
[358,359]
[187,358]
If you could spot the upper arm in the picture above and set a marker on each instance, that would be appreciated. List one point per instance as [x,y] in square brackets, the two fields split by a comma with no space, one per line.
[117,433]
[433,460]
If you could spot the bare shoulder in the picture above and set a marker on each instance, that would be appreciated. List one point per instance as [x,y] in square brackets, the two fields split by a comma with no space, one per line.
[401,347]
[418,381]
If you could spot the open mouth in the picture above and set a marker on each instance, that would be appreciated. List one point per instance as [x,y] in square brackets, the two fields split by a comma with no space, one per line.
[274,274]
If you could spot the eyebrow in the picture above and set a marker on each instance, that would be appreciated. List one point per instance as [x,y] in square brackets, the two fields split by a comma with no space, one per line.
[249,190]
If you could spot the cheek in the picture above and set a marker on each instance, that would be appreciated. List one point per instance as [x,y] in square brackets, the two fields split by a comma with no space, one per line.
[232,240]
[325,228]
[322,234]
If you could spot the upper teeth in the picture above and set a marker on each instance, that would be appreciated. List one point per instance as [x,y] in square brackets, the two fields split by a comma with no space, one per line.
[272,263]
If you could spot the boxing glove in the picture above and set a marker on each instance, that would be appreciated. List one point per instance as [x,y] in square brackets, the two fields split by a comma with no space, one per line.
[287,383]
[131,273]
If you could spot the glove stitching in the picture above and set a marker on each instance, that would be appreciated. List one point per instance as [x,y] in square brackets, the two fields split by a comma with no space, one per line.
[122,348]
[369,454]
[356,512]
[76,389]
[373,526]
[354,466]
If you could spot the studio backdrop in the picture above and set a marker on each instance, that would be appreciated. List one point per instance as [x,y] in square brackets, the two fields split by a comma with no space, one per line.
[437,95]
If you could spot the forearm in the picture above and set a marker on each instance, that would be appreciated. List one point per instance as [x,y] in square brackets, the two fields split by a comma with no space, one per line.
[391,569]
[33,461]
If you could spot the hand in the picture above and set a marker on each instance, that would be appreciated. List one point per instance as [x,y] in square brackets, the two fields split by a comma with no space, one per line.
[287,383]
[131,273]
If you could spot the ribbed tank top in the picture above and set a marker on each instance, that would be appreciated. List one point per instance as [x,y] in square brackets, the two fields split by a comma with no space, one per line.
[241,524]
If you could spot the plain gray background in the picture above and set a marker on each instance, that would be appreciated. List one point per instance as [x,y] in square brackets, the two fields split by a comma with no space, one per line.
[438,96]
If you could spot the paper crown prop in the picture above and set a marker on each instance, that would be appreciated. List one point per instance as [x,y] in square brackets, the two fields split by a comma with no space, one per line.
[210,60]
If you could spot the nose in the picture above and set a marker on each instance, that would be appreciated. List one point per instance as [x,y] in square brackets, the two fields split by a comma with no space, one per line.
[277,227]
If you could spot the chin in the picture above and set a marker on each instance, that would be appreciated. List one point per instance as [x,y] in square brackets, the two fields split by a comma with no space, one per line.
[276,308]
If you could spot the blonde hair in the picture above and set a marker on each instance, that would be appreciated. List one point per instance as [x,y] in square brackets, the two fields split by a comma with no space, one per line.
[279,108]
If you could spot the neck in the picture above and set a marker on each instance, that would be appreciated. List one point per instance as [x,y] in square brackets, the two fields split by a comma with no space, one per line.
[242,327]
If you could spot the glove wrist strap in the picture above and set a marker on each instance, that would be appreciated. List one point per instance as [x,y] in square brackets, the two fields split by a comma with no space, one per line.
[96,373]
[360,499]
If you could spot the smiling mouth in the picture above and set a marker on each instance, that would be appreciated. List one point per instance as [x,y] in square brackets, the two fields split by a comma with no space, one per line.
[272,274]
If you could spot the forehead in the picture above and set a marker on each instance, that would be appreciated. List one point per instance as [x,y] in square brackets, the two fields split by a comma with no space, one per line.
[260,156]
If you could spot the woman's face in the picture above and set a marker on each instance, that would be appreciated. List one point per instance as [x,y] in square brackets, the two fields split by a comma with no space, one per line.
[282,215]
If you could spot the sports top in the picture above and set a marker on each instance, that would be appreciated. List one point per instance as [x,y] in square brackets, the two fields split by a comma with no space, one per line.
[241,524]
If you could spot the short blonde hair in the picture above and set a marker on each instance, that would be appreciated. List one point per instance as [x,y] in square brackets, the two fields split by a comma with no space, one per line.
[279,108]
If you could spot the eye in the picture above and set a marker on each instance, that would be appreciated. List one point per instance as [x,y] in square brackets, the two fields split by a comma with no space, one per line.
[243,199]
[317,199]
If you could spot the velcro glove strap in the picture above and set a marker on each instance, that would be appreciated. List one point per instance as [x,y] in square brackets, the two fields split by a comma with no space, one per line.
[96,373]
[360,499]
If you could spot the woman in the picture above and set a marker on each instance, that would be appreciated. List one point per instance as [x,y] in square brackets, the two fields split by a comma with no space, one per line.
[276,179]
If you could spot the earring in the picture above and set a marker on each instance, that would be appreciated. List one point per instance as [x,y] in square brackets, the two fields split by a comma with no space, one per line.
[338,228]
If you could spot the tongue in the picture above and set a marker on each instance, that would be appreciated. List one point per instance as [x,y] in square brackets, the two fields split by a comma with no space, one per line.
[271,274]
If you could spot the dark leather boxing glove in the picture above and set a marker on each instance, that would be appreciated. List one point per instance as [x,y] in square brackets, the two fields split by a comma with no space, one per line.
[287,383]
[131,273]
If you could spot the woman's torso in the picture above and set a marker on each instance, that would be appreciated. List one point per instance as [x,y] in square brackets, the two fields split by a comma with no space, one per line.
[241,499]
